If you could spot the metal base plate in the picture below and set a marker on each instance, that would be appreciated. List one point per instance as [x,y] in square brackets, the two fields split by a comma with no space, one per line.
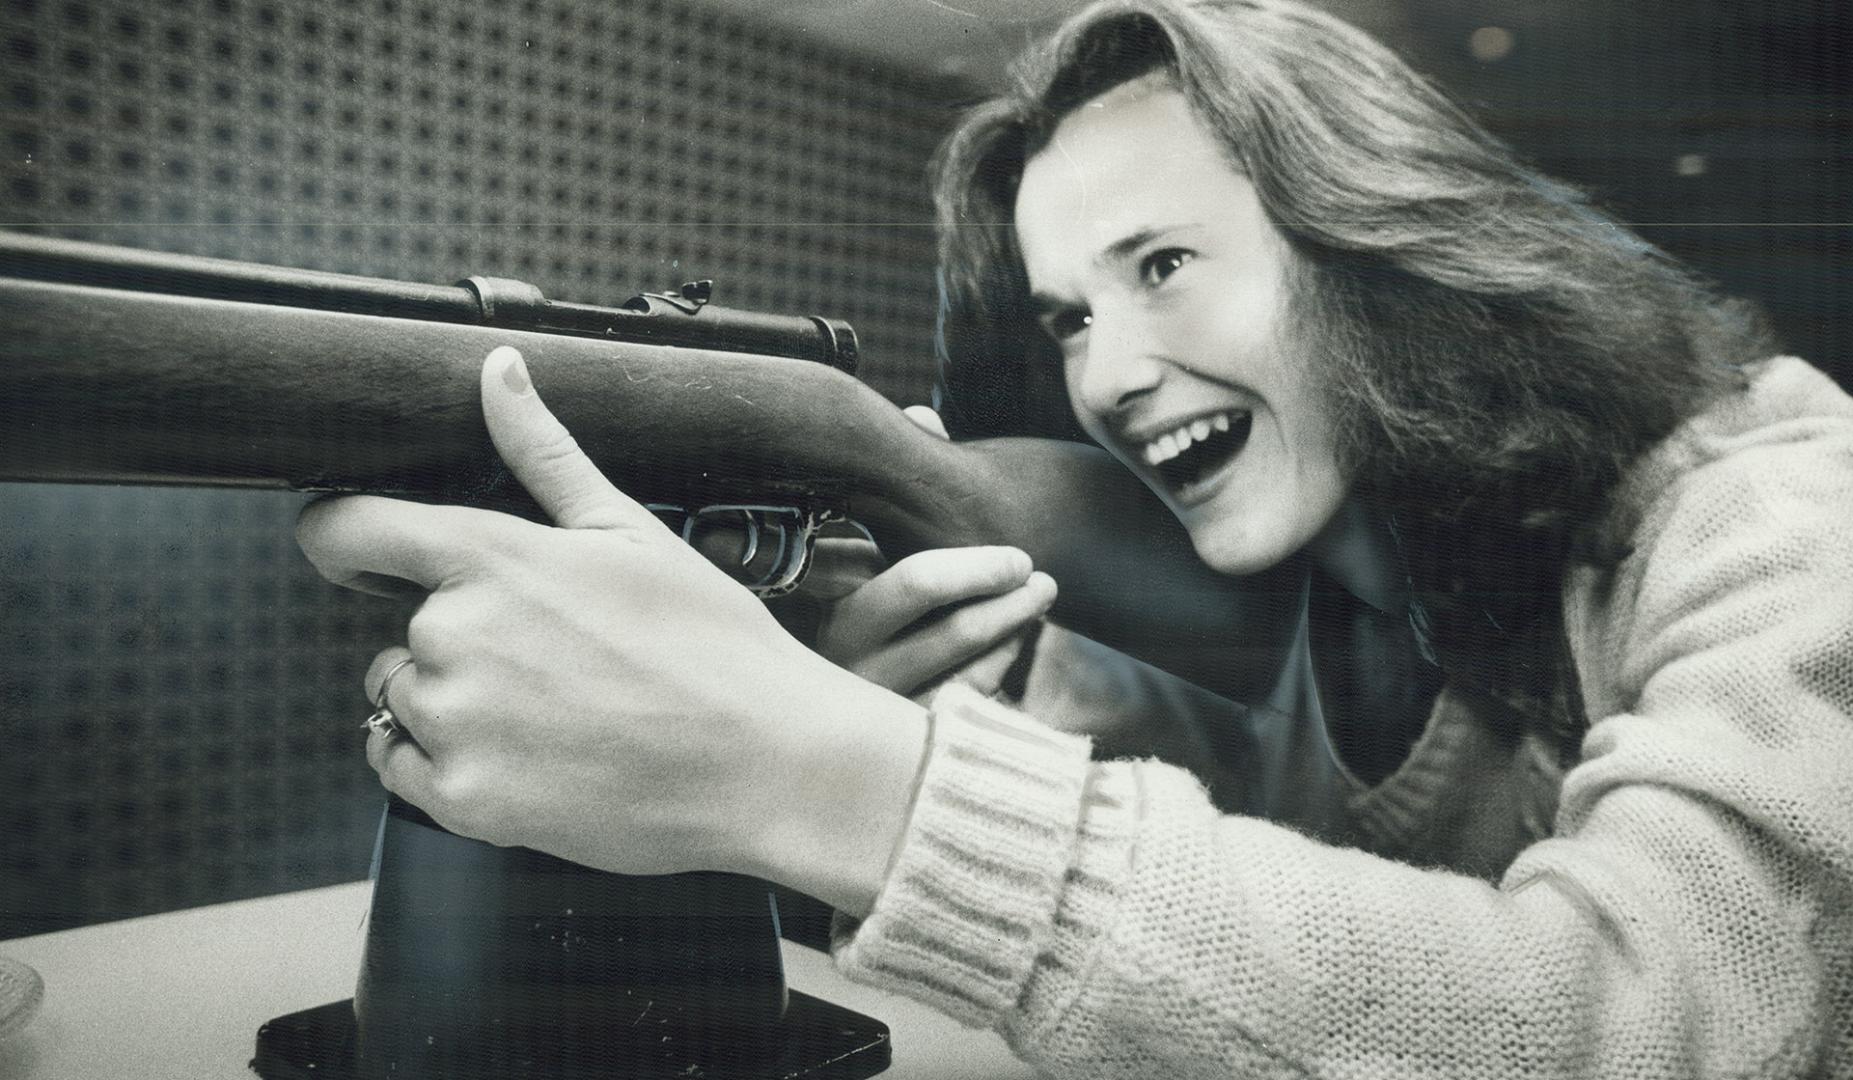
[815,1041]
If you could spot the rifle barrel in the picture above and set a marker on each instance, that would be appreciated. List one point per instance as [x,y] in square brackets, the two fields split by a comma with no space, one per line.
[686,320]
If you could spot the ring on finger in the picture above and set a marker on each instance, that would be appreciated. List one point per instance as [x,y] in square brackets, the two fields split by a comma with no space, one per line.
[383,721]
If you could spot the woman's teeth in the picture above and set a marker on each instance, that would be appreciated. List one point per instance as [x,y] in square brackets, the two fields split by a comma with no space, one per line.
[1172,443]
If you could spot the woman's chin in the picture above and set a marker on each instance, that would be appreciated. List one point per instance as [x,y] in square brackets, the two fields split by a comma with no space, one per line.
[1240,554]
[1244,529]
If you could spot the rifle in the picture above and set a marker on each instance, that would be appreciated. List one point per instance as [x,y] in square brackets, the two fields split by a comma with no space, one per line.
[124,366]
[133,367]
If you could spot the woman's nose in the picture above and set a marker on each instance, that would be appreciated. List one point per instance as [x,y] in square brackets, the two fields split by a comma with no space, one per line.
[1115,367]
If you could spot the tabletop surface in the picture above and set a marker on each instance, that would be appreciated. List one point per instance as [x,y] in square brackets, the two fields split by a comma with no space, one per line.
[182,994]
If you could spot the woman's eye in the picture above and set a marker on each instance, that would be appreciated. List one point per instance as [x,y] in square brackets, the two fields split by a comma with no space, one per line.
[1161,264]
[1063,325]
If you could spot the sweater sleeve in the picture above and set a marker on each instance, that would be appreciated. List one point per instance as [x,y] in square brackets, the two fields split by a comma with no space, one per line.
[1691,916]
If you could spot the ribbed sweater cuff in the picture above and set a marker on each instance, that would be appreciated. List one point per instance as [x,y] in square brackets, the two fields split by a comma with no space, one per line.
[978,874]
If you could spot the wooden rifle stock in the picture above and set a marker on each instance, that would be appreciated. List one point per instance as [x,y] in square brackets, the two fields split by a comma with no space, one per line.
[128,367]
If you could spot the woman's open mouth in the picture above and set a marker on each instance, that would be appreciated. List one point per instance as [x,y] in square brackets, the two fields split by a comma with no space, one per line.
[1195,451]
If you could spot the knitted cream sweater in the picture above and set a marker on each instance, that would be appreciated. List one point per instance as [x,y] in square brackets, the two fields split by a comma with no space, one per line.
[1689,913]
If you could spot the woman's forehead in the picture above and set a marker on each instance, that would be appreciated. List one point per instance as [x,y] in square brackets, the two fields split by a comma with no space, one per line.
[1134,158]
[1142,132]
[1150,104]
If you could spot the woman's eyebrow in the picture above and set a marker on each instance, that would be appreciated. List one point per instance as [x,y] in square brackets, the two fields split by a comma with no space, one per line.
[1133,241]
[1126,245]
[1043,303]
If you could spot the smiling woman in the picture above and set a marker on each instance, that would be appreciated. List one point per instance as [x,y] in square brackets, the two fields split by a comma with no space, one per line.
[1477,349]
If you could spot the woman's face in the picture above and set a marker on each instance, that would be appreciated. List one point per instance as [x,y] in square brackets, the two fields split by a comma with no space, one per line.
[1153,266]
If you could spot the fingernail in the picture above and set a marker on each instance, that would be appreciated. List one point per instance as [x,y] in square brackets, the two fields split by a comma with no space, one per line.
[514,369]
[1044,584]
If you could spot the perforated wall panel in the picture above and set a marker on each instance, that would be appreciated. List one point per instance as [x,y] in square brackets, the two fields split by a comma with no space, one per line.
[179,693]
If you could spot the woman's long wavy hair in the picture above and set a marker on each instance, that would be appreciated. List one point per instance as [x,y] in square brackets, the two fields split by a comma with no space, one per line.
[1497,350]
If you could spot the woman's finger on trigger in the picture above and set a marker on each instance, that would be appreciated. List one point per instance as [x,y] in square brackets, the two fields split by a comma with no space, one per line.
[972,630]
[927,420]
[923,583]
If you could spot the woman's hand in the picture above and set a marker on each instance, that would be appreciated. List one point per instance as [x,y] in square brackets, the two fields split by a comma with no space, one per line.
[948,613]
[599,691]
